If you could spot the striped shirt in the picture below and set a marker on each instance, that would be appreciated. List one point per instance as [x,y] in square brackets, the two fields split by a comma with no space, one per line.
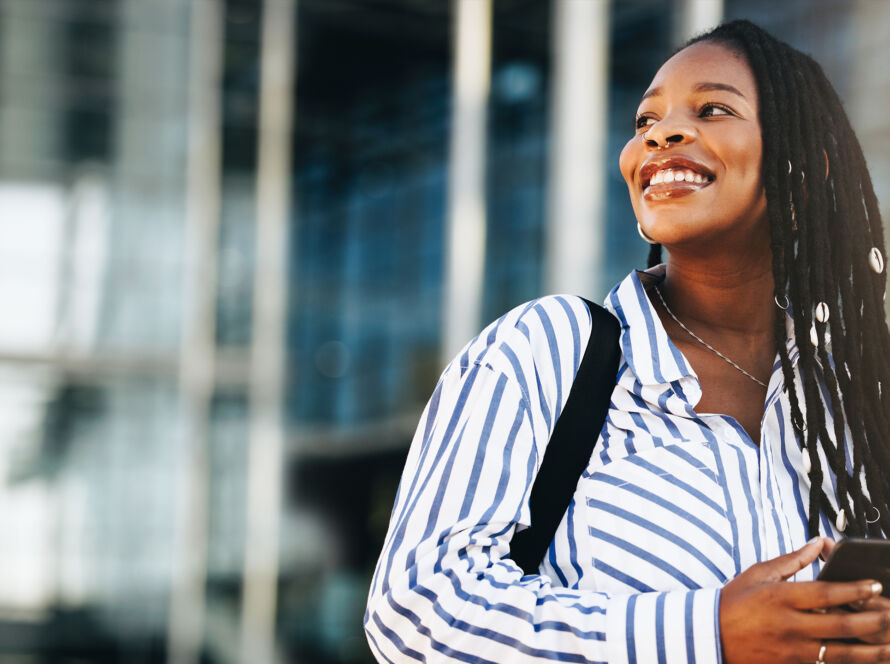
[672,505]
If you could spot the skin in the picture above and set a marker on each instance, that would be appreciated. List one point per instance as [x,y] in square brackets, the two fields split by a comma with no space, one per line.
[719,276]
[719,283]
[763,618]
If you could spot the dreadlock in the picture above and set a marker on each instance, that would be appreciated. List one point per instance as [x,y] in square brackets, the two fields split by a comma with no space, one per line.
[827,244]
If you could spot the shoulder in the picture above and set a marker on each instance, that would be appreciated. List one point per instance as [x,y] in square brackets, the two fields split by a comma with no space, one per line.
[544,327]
[539,344]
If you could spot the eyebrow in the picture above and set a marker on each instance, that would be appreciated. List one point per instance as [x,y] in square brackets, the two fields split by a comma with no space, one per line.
[700,87]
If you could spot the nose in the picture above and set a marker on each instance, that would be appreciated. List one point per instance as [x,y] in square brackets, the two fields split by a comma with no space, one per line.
[668,131]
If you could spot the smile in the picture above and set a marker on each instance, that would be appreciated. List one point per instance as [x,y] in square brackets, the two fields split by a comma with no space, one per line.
[667,177]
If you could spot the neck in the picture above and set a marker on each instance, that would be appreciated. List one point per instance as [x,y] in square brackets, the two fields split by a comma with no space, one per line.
[728,297]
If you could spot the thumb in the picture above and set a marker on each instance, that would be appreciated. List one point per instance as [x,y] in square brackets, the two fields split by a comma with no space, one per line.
[784,567]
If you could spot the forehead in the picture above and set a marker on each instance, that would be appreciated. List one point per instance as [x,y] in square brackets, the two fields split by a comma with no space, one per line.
[706,62]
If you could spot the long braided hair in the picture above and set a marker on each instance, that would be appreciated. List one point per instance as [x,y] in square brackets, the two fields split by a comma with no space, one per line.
[828,248]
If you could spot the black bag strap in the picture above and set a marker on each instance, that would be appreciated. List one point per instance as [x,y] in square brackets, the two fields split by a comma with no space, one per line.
[571,444]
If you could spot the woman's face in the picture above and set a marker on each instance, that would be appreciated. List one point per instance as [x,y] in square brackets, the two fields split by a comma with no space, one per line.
[705,186]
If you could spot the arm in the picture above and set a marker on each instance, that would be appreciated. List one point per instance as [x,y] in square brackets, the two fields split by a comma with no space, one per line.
[444,589]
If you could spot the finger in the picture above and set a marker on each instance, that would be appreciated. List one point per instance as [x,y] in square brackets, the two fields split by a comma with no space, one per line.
[828,547]
[882,634]
[837,652]
[879,603]
[826,594]
[784,567]
[874,624]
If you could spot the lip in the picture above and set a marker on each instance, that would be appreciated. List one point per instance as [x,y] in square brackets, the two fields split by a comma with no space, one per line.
[663,192]
[670,190]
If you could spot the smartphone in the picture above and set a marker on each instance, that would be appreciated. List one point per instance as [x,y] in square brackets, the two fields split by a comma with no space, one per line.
[857,559]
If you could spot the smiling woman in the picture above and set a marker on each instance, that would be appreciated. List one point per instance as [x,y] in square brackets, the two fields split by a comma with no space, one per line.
[731,456]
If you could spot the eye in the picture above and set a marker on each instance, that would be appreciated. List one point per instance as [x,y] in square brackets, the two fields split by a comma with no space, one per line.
[642,121]
[711,109]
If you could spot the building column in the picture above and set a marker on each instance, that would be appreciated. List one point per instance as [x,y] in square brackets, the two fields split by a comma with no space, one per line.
[198,344]
[465,222]
[575,234]
[268,352]
[694,17]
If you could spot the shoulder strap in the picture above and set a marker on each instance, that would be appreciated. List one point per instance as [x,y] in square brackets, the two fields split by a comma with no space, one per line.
[571,444]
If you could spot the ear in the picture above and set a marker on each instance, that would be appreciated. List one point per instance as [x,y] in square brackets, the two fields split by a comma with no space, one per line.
[825,154]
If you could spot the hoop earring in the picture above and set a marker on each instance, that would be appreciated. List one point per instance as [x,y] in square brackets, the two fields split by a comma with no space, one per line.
[644,236]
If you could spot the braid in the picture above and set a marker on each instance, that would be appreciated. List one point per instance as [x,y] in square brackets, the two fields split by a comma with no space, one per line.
[654,255]
[824,221]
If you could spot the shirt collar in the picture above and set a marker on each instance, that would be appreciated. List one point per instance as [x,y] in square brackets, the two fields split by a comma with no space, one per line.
[646,346]
[648,350]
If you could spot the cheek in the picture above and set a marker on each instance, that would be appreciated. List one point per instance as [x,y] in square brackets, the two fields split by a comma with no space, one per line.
[748,159]
[627,159]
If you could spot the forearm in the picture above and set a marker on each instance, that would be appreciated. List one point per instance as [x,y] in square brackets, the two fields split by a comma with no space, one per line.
[477,607]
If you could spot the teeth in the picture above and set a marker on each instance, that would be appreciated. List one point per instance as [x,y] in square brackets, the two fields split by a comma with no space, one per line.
[666,176]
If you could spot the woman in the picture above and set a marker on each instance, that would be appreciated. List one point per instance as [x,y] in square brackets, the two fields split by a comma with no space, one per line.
[716,477]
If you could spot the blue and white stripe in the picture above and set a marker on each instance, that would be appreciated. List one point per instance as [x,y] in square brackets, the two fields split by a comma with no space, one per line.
[672,505]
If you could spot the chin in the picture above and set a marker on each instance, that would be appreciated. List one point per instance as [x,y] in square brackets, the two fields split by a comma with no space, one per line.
[665,226]
[670,231]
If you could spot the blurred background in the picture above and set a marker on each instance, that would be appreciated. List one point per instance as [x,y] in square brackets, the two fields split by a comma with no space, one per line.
[238,242]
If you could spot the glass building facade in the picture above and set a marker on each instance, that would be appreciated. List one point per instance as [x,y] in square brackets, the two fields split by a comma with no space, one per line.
[134,159]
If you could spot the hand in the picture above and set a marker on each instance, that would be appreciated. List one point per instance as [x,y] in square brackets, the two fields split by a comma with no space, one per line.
[765,619]
[877,603]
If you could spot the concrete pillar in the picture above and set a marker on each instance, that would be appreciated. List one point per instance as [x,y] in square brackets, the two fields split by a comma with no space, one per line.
[465,223]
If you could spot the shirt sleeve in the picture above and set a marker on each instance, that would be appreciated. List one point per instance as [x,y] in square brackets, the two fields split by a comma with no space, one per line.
[445,589]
